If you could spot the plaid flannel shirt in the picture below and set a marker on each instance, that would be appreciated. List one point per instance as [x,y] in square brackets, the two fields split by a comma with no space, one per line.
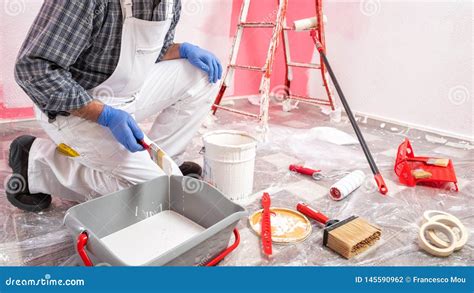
[74,45]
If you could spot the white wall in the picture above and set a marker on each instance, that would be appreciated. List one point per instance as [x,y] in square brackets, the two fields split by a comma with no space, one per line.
[206,23]
[407,61]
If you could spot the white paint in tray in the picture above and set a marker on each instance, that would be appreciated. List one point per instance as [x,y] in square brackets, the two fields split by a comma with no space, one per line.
[144,241]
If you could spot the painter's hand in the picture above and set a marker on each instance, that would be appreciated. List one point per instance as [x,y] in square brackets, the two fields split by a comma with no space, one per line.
[123,127]
[203,60]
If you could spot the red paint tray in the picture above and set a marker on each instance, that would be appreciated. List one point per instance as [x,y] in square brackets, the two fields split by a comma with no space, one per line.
[406,163]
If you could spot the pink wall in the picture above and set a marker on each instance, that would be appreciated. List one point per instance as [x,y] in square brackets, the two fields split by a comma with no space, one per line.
[255,45]
[15,19]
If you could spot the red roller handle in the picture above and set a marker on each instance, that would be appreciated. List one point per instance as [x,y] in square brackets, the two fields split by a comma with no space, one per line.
[311,213]
[303,170]
[381,184]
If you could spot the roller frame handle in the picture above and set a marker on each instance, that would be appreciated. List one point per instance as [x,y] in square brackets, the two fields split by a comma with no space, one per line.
[311,213]
[381,184]
[303,170]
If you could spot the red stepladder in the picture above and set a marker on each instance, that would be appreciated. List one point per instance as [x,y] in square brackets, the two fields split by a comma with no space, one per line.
[279,28]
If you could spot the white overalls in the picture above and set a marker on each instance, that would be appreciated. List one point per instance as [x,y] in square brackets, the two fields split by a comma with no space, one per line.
[179,92]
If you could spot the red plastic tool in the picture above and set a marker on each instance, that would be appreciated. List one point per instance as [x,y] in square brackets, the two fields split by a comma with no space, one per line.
[304,170]
[266,227]
[406,162]
[311,213]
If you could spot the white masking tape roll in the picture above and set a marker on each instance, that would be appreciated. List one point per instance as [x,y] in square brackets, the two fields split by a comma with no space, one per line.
[452,222]
[430,213]
[430,248]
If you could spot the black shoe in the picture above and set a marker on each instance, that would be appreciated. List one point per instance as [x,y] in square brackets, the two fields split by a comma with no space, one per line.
[18,193]
[191,169]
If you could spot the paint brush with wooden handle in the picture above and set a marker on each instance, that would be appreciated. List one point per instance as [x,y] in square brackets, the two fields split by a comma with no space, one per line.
[160,157]
[348,237]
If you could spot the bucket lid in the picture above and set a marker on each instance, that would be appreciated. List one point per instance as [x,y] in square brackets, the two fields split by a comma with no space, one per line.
[212,139]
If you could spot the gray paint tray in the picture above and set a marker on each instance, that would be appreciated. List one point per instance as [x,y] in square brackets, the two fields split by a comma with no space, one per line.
[91,221]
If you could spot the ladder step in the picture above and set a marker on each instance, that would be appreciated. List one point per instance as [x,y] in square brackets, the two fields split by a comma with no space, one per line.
[309,100]
[299,30]
[304,65]
[257,24]
[228,109]
[247,67]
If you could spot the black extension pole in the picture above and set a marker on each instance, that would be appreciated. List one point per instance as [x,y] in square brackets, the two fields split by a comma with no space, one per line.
[378,177]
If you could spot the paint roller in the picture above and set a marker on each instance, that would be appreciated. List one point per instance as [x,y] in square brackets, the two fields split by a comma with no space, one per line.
[307,23]
[348,184]
[339,190]
[373,166]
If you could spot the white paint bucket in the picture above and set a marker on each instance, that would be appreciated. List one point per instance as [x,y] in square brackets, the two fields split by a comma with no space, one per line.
[229,162]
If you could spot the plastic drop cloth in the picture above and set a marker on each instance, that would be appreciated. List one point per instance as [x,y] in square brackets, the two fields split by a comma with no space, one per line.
[399,214]
[41,239]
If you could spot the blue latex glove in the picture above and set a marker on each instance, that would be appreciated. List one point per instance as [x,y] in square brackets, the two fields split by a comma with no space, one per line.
[123,127]
[203,60]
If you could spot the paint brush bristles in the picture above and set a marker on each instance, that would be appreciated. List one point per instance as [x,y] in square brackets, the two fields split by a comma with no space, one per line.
[351,236]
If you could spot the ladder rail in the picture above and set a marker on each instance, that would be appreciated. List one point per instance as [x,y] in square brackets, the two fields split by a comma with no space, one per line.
[266,81]
[320,31]
[237,40]
[287,56]
[229,74]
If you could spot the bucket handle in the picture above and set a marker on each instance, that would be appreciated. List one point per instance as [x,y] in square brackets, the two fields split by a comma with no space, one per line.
[227,251]
[83,237]
[81,244]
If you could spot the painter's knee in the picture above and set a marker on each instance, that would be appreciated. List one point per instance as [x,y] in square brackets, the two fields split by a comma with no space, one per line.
[210,93]
[197,75]
[192,73]
[200,91]
[141,174]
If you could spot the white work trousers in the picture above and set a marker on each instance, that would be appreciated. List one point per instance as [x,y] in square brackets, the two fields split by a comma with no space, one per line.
[179,92]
